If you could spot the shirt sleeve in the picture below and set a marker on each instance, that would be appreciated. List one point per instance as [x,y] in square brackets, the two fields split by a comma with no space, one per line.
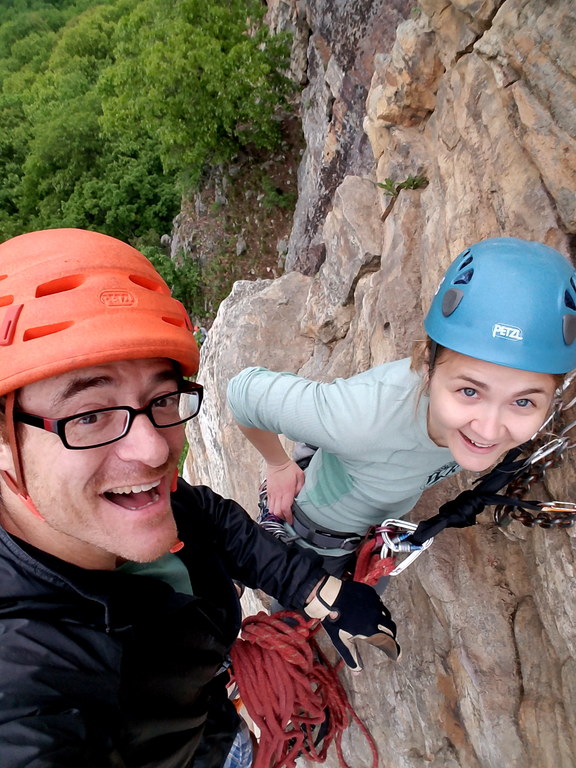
[328,415]
[248,552]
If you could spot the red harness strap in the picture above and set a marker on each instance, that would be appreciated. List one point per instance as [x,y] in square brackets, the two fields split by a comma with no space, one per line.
[370,567]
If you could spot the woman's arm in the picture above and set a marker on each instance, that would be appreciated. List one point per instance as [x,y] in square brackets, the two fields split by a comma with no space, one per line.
[284,478]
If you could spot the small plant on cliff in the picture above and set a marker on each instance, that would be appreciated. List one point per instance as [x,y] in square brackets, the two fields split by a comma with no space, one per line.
[392,188]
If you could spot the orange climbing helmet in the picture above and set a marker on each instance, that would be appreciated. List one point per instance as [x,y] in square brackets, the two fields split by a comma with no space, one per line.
[70,298]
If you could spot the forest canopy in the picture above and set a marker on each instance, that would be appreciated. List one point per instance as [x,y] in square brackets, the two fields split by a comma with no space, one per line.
[111,110]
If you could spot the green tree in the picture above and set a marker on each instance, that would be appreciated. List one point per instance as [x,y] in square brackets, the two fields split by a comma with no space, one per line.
[202,78]
[68,173]
[110,108]
[28,31]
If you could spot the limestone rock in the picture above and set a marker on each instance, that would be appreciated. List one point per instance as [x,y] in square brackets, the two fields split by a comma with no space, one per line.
[404,84]
[477,97]
[352,240]
[257,316]
[343,39]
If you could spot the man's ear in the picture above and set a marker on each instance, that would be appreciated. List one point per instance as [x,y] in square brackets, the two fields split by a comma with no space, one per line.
[6,459]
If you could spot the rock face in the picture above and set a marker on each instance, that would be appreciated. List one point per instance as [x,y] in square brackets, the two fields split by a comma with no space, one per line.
[338,41]
[478,97]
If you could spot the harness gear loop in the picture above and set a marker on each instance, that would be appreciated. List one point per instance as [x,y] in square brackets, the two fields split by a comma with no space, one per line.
[289,687]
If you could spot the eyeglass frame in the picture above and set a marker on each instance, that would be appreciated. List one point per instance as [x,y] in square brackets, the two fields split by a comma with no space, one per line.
[58,426]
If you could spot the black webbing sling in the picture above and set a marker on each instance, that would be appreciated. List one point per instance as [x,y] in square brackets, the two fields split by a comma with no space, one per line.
[463,510]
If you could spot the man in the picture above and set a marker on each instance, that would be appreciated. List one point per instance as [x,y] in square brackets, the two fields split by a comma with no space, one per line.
[117,605]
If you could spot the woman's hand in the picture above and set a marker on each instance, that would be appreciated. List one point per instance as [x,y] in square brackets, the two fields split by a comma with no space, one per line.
[283,482]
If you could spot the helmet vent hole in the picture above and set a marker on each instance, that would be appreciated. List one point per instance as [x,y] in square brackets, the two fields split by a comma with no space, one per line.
[466,262]
[464,278]
[45,330]
[573,282]
[179,322]
[451,299]
[148,283]
[569,300]
[569,329]
[60,285]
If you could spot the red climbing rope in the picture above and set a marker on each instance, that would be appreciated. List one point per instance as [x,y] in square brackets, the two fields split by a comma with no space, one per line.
[291,691]
[370,566]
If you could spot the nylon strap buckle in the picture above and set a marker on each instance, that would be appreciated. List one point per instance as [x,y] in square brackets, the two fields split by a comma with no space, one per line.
[394,533]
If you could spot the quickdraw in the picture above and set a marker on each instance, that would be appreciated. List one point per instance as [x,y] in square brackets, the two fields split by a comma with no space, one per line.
[378,555]
[548,454]
[394,534]
[559,514]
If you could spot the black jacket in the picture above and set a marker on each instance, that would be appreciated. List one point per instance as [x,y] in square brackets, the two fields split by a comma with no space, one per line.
[105,669]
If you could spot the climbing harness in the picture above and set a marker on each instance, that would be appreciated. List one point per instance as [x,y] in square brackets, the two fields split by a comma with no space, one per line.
[291,691]
[322,537]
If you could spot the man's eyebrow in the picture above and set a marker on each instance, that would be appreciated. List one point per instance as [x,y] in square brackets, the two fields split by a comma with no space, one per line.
[81,384]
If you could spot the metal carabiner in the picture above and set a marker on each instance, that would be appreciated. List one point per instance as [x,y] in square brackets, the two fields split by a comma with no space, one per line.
[394,544]
[567,428]
[558,506]
[558,444]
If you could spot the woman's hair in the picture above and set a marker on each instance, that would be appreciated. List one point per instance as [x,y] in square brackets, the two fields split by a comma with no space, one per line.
[426,354]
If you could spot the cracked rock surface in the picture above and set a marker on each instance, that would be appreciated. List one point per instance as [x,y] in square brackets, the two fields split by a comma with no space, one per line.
[477,97]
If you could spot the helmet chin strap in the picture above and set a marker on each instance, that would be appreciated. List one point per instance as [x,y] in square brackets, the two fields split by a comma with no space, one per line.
[179,544]
[17,485]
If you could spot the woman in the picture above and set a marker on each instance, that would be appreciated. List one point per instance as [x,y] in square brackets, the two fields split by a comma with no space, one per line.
[501,335]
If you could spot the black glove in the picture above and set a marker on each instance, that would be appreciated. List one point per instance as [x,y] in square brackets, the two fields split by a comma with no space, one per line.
[359,615]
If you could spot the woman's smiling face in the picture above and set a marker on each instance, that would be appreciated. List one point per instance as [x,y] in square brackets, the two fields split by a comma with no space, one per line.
[480,410]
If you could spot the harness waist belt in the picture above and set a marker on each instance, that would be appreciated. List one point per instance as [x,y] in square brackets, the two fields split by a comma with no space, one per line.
[320,537]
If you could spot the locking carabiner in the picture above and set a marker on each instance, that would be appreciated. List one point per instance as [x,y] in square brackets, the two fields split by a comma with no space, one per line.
[394,533]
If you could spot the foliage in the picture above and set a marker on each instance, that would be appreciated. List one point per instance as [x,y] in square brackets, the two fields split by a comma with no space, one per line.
[111,109]
[191,75]
[184,278]
[273,197]
[392,188]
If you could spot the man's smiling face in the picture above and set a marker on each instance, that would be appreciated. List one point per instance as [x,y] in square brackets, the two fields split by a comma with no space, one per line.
[106,503]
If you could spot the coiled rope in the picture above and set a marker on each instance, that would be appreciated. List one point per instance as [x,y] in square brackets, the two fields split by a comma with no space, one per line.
[291,691]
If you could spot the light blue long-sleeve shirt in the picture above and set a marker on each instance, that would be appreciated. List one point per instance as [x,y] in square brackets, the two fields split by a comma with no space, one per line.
[375,456]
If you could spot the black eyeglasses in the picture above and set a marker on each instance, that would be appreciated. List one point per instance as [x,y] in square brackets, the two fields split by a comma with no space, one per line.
[93,429]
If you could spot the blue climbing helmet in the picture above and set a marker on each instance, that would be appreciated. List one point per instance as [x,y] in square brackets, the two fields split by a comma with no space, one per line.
[510,302]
